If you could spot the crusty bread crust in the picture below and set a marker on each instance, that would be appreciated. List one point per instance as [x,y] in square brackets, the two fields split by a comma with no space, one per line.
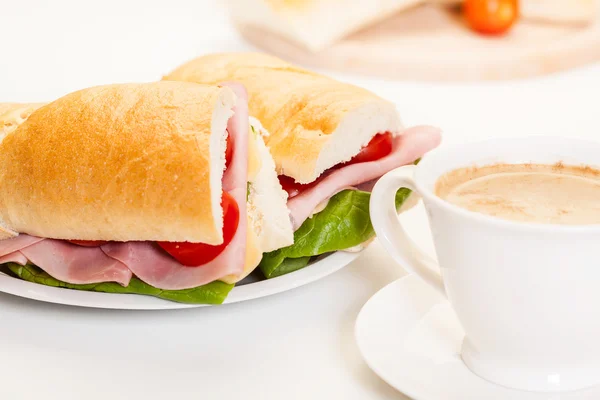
[118,162]
[315,122]
[11,116]
[14,114]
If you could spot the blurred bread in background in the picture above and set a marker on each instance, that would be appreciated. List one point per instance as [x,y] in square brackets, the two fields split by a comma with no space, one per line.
[569,11]
[317,24]
[314,24]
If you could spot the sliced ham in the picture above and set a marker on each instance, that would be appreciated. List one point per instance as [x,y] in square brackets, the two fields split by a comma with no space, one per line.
[14,257]
[9,248]
[65,261]
[155,267]
[235,182]
[412,144]
[76,264]
[17,243]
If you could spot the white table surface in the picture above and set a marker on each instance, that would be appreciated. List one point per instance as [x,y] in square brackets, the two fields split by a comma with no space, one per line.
[297,345]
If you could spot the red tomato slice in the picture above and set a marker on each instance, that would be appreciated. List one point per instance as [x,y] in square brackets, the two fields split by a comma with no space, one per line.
[89,243]
[198,254]
[379,147]
[228,151]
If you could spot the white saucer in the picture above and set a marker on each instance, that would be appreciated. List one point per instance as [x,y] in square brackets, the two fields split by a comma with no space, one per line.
[410,337]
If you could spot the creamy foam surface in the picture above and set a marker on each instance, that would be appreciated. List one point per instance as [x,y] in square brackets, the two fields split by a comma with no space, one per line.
[551,194]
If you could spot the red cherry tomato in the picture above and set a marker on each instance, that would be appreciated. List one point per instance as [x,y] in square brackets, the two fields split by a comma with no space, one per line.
[89,243]
[197,254]
[228,151]
[491,17]
[379,147]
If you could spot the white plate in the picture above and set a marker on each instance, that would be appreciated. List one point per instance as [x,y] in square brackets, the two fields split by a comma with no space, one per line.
[245,291]
[409,335]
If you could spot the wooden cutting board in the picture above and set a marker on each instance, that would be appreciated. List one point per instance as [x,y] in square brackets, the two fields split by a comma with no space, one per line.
[431,43]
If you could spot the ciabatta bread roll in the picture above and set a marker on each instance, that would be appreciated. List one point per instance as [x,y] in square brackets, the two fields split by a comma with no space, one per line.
[119,162]
[315,122]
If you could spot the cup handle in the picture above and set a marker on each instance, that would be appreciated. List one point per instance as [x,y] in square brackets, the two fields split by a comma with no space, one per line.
[390,232]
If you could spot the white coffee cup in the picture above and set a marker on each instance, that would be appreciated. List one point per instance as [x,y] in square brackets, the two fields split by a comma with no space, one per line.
[526,294]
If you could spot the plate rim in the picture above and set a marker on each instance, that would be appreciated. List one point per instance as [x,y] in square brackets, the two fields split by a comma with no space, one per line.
[118,301]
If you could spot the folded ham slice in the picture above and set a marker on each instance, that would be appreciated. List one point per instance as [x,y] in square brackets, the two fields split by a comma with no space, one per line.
[76,264]
[409,146]
[155,267]
[17,243]
[65,261]
[14,257]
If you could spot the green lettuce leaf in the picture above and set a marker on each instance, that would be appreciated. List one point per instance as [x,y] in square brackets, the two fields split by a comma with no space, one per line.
[290,265]
[344,223]
[211,293]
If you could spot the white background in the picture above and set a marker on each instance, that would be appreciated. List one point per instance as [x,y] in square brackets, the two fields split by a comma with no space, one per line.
[297,345]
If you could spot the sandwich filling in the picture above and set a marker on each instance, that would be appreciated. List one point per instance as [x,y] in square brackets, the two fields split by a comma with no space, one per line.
[381,155]
[332,213]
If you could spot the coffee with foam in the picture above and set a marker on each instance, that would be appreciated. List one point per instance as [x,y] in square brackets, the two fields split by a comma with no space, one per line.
[551,194]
